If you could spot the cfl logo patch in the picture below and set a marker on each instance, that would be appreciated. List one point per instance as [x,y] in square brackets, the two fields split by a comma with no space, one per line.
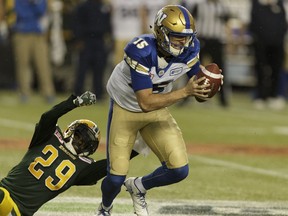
[176,71]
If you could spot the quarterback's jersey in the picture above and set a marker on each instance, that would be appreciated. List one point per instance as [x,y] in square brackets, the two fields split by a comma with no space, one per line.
[142,68]
[48,168]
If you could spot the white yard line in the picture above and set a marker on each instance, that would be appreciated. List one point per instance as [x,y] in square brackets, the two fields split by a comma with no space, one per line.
[281,130]
[161,207]
[16,124]
[5,122]
[232,165]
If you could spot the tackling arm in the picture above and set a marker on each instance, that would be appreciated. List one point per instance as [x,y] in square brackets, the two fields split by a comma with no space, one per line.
[47,123]
[96,171]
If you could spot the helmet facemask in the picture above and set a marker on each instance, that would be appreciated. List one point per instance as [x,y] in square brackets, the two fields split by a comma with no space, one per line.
[83,136]
[176,49]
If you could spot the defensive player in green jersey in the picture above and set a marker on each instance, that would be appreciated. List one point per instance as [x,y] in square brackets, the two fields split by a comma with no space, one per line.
[54,162]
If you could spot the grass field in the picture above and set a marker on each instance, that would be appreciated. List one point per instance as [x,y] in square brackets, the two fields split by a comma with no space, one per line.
[237,157]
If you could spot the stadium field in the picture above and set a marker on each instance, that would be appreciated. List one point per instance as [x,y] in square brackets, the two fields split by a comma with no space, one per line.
[86,207]
[237,157]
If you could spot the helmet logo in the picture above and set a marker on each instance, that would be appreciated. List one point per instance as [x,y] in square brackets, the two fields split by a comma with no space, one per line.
[159,18]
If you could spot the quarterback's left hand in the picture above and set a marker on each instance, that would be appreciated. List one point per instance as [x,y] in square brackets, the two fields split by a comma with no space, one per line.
[87,98]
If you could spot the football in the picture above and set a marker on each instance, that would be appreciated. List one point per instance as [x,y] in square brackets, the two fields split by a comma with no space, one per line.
[213,76]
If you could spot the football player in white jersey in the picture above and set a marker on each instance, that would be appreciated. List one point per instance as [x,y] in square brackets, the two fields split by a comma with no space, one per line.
[140,88]
[126,24]
[132,18]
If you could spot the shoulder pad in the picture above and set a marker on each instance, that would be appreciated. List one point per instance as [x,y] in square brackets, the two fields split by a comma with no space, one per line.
[140,47]
[139,53]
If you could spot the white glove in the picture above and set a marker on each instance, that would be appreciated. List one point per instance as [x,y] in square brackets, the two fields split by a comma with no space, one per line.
[86,99]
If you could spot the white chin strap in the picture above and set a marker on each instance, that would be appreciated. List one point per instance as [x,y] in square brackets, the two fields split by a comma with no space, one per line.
[70,147]
[175,52]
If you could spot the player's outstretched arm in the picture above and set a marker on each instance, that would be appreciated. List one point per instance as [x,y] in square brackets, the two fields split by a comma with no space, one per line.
[47,123]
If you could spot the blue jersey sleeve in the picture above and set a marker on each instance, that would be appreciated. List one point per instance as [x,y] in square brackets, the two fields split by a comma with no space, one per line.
[139,56]
[194,52]
[194,70]
[140,81]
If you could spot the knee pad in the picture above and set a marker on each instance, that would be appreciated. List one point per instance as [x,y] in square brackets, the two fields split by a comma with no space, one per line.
[164,176]
[179,173]
[115,181]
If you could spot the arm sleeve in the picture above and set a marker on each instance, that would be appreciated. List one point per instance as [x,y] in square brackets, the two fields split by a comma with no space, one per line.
[96,171]
[91,174]
[138,56]
[140,81]
[194,70]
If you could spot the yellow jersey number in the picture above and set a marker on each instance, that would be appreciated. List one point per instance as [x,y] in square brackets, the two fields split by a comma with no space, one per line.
[65,164]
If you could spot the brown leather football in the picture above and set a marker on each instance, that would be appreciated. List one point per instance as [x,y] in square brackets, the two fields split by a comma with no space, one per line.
[213,76]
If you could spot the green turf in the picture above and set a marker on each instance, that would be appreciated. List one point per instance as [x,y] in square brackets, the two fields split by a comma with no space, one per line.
[201,124]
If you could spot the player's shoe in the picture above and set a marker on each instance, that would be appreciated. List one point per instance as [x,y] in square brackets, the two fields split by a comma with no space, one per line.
[103,211]
[139,203]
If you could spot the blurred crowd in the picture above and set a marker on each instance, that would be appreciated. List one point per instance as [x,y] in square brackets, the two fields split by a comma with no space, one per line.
[53,46]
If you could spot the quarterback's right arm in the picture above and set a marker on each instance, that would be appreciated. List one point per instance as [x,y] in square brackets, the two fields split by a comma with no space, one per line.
[148,101]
